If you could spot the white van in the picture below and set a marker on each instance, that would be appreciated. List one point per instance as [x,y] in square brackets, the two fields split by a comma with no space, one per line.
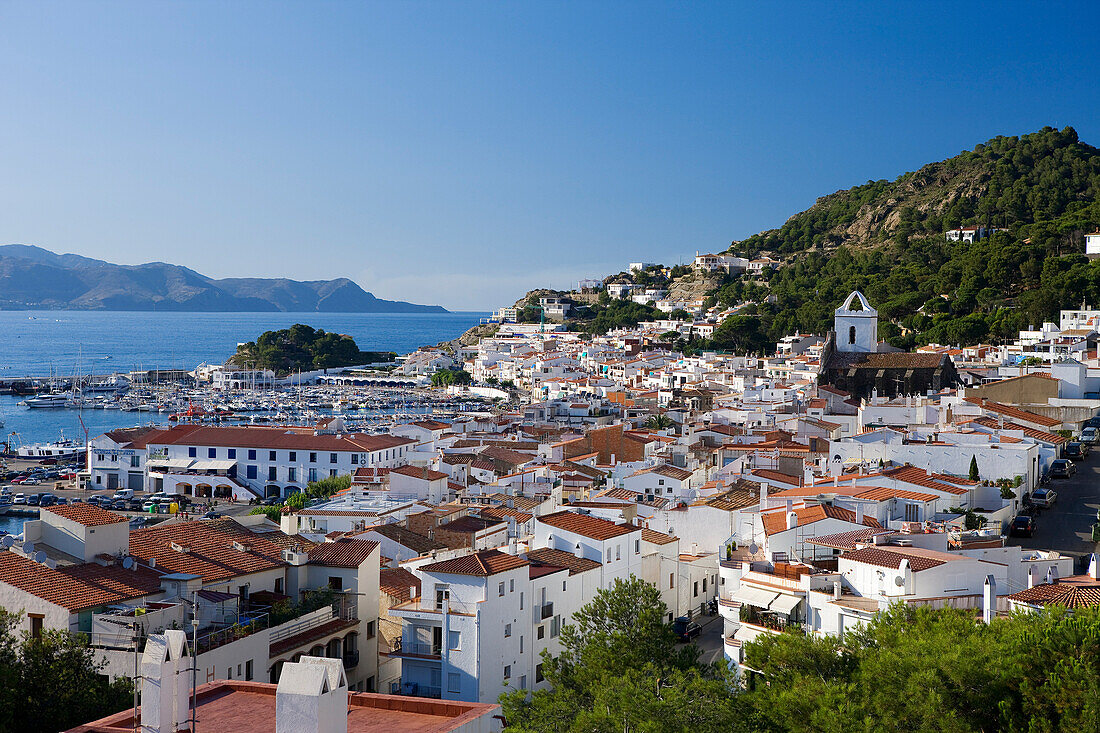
[124,494]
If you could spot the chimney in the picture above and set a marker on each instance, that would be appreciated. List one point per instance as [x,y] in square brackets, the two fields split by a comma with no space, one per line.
[836,590]
[1052,574]
[579,551]
[792,520]
[312,697]
[1094,567]
[989,599]
[859,513]
[412,592]
[164,683]
[1032,573]
[763,494]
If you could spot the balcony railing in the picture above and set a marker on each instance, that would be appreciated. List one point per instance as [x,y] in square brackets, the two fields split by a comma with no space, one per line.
[400,646]
[248,624]
[351,659]
[547,610]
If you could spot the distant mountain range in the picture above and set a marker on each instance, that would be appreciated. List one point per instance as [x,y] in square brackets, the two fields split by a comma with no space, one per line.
[33,278]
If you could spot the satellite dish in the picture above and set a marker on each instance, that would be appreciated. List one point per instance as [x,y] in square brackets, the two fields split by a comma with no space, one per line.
[8,540]
[899,581]
[51,564]
[40,557]
[128,563]
[754,548]
[28,548]
[152,562]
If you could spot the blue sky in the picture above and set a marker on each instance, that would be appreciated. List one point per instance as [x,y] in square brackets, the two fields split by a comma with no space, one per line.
[462,153]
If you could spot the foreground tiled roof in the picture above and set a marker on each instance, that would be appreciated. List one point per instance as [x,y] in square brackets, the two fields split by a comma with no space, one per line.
[343,553]
[891,558]
[1079,591]
[561,559]
[77,587]
[777,521]
[846,540]
[484,563]
[87,514]
[204,550]
[395,582]
[587,525]
[1013,412]
[415,541]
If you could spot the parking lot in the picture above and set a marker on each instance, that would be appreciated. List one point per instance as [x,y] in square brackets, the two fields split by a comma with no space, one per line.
[1067,526]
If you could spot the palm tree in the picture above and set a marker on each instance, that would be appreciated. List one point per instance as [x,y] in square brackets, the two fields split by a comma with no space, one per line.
[659,422]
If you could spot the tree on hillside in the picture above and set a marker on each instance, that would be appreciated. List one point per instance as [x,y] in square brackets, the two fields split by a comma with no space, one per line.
[621,670]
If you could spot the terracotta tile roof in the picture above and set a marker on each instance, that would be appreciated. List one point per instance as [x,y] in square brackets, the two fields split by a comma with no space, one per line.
[1013,412]
[425,473]
[343,553]
[776,521]
[415,541]
[231,528]
[210,551]
[134,437]
[587,525]
[655,537]
[878,493]
[666,470]
[920,477]
[484,564]
[430,424]
[395,582]
[89,515]
[846,540]
[561,559]
[891,557]
[471,524]
[777,476]
[503,512]
[77,587]
[1078,591]
[1033,433]
[272,438]
[743,494]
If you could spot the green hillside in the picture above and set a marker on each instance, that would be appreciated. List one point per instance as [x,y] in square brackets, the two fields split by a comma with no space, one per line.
[886,238]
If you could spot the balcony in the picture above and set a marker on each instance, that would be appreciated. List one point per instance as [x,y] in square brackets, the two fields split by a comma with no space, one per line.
[351,660]
[547,611]
[417,649]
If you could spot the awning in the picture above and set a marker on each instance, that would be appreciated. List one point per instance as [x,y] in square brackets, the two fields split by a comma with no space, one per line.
[181,464]
[754,596]
[210,464]
[785,603]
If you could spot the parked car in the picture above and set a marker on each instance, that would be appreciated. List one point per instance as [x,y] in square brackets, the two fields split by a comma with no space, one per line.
[1075,451]
[20,499]
[1093,422]
[123,494]
[47,500]
[686,629]
[62,501]
[135,505]
[1090,436]
[1062,468]
[1043,497]
[272,501]
[1023,525]
[33,500]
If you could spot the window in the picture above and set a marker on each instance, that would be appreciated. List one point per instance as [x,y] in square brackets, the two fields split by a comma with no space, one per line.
[251,455]
[661,482]
[563,586]
[292,474]
[332,458]
[454,682]
[36,624]
[618,552]
[312,457]
[370,629]
[370,684]
[335,583]
[312,474]
[521,600]
[229,673]
[99,479]
[250,472]
[695,588]
[704,585]
[271,473]
[278,585]
[271,455]
[232,452]
[293,456]
[248,670]
[538,673]
[541,632]
[332,473]
[851,334]
[211,452]
[507,630]
[238,670]
[135,462]
[192,452]
[507,671]
[500,588]
[555,626]
[523,682]
[512,585]
[442,593]
[454,640]
[637,546]
[521,645]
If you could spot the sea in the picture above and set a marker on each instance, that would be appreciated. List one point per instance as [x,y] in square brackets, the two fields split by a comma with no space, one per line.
[63,343]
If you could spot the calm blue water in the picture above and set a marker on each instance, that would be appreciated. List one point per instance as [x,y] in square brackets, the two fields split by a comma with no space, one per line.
[34,342]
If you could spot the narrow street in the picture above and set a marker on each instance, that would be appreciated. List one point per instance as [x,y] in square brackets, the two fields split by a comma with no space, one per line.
[1067,526]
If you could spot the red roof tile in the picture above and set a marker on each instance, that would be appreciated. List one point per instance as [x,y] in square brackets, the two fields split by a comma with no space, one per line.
[343,553]
[484,563]
[209,552]
[87,514]
[77,587]
[587,525]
